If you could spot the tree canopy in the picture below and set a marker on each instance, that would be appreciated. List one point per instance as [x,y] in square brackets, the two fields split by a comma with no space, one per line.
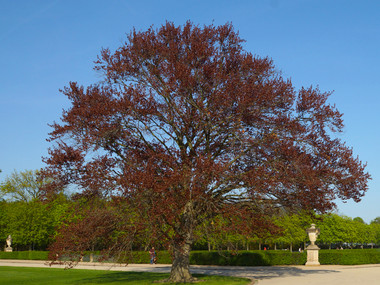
[186,125]
[22,185]
[376,220]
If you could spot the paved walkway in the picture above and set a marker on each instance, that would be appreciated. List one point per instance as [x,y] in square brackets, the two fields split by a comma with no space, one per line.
[279,275]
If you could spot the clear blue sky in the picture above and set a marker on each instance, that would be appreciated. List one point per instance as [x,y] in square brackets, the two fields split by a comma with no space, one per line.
[45,44]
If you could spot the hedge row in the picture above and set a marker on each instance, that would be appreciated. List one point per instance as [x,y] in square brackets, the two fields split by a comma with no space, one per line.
[267,258]
[350,256]
[242,258]
[247,258]
[25,255]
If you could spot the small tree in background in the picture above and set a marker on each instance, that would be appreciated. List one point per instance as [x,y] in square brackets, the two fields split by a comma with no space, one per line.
[358,220]
[23,185]
[376,220]
[335,229]
[186,125]
[33,225]
[293,228]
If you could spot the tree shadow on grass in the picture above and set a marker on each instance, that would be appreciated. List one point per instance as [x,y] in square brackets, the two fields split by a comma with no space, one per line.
[261,272]
[138,278]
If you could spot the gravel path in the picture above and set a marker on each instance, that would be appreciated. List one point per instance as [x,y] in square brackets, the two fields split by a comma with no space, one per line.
[283,275]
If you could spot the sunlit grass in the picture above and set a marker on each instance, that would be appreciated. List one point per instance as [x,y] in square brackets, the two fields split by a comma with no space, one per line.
[41,276]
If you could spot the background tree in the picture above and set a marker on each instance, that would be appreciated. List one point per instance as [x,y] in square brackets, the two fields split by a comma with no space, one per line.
[22,186]
[33,225]
[229,232]
[335,229]
[358,220]
[376,220]
[375,233]
[187,125]
[362,232]
[3,221]
[293,229]
[29,225]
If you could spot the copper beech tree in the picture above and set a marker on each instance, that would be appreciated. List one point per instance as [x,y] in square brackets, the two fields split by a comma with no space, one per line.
[187,125]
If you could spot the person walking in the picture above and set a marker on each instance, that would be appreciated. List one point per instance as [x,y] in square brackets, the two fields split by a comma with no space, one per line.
[153,258]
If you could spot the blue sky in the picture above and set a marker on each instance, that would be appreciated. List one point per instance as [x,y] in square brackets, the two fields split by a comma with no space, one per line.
[46,44]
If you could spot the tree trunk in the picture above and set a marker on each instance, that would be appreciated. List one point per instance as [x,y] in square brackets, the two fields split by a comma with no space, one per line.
[180,271]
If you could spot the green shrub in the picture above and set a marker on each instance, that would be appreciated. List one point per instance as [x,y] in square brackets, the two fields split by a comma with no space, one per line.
[267,258]
[25,255]
[286,258]
[350,256]
[241,258]
[247,258]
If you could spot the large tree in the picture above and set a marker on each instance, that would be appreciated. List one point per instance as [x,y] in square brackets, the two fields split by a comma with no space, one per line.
[186,124]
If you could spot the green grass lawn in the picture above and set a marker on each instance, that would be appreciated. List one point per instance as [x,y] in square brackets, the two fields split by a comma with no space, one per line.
[41,276]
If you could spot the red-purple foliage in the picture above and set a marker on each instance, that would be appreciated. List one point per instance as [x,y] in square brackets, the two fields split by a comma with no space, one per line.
[187,125]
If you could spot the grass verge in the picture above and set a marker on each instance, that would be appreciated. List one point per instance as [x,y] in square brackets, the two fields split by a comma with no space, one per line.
[42,276]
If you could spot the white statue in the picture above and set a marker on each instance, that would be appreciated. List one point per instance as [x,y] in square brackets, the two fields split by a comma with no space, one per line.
[9,241]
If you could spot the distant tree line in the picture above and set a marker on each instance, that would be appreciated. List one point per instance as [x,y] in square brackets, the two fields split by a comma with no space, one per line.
[337,232]
[36,223]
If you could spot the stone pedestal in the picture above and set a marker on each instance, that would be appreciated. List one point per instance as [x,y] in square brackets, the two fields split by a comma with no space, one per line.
[8,249]
[312,255]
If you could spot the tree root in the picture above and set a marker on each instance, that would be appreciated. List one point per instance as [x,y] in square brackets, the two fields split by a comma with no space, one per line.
[180,280]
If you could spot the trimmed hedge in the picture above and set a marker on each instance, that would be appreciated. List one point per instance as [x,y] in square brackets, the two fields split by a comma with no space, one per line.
[262,258]
[242,258]
[25,255]
[349,256]
[268,258]
[247,258]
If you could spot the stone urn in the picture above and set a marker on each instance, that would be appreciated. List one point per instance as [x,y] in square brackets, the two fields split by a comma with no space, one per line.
[312,249]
